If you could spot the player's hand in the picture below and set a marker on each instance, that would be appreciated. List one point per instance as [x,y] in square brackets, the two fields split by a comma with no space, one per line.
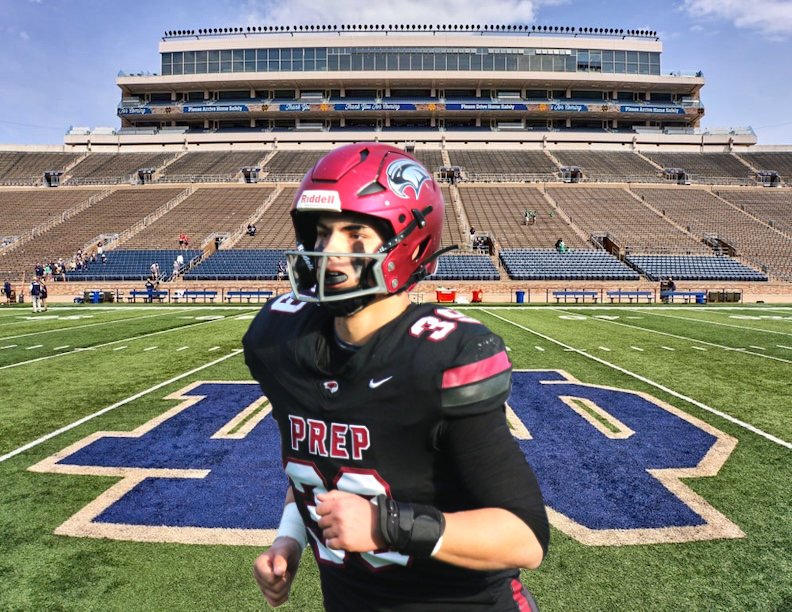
[276,568]
[350,522]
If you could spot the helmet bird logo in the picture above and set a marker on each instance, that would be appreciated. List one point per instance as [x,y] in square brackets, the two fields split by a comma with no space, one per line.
[404,173]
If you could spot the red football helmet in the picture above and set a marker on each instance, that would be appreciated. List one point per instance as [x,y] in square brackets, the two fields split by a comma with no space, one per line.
[401,198]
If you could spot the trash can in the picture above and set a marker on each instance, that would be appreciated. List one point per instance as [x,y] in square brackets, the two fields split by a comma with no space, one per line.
[700,298]
[478,295]
[95,297]
[520,297]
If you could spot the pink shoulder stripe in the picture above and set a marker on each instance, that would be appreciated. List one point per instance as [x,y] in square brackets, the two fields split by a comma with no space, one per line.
[465,375]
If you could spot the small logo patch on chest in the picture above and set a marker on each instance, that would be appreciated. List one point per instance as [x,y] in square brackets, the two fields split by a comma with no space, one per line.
[331,386]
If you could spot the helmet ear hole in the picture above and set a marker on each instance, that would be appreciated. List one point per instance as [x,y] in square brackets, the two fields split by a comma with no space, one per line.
[420,250]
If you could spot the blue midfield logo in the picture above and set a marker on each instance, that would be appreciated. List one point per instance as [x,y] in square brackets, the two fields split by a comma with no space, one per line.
[209,470]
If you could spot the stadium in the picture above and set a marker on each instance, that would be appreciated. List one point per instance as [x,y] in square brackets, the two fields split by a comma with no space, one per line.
[537,134]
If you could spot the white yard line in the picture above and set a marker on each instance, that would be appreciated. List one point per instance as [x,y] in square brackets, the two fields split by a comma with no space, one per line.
[784,347]
[151,348]
[654,331]
[92,348]
[605,348]
[648,381]
[698,348]
[61,329]
[636,348]
[132,398]
[214,348]
[743,327]
[8,347]
[668,348]
[182,348]
[60,348]
[120,348]
[35,346]
[759,348]
[539,348]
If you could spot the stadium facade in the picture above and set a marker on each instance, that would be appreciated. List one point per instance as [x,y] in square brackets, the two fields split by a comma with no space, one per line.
[438,85]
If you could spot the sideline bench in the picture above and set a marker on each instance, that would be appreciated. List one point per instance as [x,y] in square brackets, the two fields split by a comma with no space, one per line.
[147,296]
[248,293]
[700,297]
[630,295]
[575,294]
[193,294]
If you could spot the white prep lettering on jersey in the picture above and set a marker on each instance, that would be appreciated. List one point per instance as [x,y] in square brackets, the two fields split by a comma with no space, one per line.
[338,440]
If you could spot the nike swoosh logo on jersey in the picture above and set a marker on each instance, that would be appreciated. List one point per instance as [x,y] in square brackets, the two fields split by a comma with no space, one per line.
[374,385]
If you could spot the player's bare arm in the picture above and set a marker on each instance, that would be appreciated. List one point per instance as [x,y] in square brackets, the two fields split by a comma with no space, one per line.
[485,539]
[275,570]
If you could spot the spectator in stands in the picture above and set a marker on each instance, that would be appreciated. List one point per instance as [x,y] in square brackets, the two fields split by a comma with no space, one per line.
[186,241]
[181,240]
[472,233]
[35,294]
[7,291]
[176,268]
[47,272]
[560,246]
[99,249]
[43,297]
[671,284]
[281,269]
[39,270]
[150,289]
[155,271]
[526,217]
[251,229]
[180,259]
[104,258]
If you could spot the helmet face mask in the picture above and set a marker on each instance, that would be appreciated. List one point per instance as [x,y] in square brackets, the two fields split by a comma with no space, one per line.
[389,192]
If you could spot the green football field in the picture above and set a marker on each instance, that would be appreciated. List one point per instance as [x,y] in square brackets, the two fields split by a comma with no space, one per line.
[685,408]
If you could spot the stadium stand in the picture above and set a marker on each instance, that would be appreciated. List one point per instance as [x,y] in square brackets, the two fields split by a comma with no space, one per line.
[124,265]
[452,229]
[772,207]
[465,267]
[291,165]
[209,210]
[18,168]
[498,212]
[274,227]
[777,161]
[549,264]
[491,164]
[706,268]
[610,166]
[705,214]
[237,265]
[23,209]
[632,225]
[430,158]
[109,168]
[109,216]
[705,165]
[210,166]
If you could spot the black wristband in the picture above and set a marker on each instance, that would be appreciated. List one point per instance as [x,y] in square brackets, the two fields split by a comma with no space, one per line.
[411,529]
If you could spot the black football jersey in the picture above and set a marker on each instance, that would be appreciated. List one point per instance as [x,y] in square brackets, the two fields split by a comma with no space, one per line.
[370,426]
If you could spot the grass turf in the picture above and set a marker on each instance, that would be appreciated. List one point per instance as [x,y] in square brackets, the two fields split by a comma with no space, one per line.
[40,570]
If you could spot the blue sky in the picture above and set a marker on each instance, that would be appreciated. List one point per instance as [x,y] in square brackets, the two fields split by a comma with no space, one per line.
[61,57]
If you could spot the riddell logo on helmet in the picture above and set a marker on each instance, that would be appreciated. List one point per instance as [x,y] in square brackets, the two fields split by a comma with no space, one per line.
[319,200]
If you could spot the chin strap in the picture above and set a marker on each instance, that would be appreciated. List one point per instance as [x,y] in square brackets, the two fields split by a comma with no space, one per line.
[422,272]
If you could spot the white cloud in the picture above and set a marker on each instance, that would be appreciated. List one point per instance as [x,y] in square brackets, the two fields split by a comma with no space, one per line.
[696,28]
[300,12]
[773,17]
[24,35]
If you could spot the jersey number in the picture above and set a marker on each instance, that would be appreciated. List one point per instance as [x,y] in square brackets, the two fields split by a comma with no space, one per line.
[308,482]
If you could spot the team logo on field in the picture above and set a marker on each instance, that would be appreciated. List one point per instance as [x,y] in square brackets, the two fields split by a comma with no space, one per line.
[209,470]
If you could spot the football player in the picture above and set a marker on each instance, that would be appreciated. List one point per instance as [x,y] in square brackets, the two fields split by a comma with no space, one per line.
[404,476]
